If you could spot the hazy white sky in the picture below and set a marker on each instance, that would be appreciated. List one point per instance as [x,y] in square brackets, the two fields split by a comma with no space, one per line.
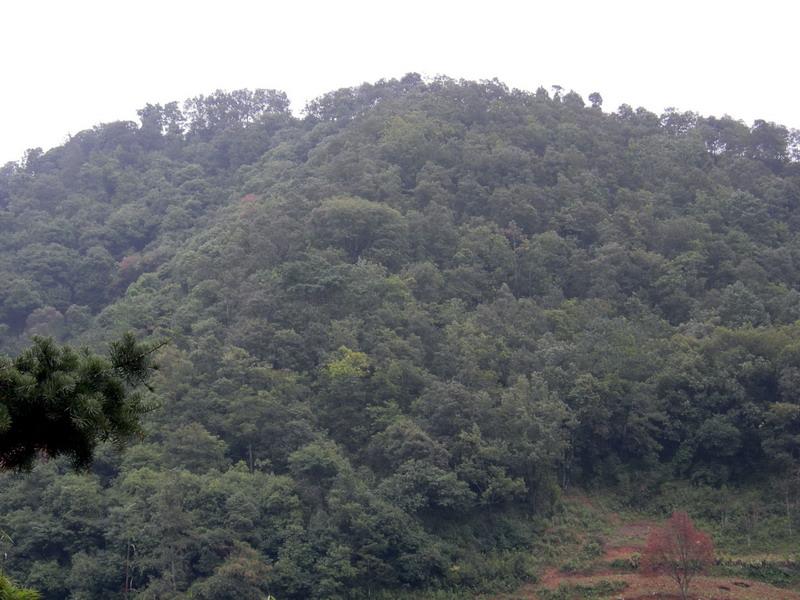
[68,65]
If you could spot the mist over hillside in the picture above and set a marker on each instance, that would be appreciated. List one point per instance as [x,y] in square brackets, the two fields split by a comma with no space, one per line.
[402,326]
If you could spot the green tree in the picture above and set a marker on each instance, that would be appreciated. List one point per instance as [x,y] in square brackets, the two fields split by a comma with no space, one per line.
[361,228]
[58,401]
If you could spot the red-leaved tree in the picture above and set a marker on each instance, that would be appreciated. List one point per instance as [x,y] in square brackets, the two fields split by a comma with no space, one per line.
[679,550]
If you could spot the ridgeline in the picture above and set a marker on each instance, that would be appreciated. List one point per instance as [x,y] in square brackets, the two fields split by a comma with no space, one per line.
[403,326]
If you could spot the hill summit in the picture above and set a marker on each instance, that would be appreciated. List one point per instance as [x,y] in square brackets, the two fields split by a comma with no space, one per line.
[402,325]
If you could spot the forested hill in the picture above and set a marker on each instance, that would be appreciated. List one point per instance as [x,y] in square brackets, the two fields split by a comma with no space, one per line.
[401,325]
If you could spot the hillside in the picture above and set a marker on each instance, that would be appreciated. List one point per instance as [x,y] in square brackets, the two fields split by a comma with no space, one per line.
[402,327]
[601,550]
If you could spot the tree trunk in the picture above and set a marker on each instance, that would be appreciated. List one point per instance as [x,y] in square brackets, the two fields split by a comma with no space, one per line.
[685,589]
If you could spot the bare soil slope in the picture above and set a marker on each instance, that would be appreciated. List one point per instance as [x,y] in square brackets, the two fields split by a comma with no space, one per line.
[613,575]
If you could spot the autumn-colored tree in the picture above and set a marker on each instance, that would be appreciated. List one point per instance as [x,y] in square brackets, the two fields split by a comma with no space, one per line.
[679,550]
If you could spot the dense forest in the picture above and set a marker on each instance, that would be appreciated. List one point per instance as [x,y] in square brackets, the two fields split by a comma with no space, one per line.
[400,326]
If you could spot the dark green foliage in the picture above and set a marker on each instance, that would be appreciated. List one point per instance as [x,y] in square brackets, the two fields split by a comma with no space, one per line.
[402,325]
[57,401]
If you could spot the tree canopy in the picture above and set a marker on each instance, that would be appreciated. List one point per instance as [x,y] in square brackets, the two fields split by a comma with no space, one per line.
[56,401]
[403,323]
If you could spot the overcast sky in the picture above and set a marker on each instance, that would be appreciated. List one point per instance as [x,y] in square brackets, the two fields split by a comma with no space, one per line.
[68,65]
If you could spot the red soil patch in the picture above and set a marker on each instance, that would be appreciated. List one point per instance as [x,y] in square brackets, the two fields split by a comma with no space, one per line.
[638,530]
[618,552]
[663,588]
[632,534]
[628,539]
[551,578]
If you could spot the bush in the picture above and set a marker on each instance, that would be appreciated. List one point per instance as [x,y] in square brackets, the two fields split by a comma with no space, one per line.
[774,570]
[630,563]
[493,570]
[8,591]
